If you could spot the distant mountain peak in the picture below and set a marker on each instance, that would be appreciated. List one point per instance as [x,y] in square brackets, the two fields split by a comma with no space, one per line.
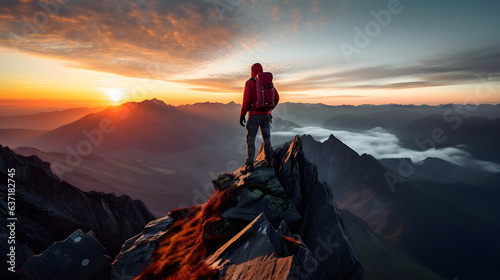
[332,140]
[333,144]
[155,101]
[147,103]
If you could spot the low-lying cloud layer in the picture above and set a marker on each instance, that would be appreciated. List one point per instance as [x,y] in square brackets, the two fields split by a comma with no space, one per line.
[379,143]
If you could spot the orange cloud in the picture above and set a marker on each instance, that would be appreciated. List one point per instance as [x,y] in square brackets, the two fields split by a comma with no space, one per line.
[145,38]
[122,37]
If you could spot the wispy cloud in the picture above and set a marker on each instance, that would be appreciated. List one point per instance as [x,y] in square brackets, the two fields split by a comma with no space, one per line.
[380,143]
[127,37]
[449,69]
[462,67]
[122,37]
[218,83]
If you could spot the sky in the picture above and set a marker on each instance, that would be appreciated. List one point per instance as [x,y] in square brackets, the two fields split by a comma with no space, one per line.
[74,53]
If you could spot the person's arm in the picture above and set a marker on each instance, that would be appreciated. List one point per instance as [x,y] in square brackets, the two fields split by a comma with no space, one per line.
[245,106]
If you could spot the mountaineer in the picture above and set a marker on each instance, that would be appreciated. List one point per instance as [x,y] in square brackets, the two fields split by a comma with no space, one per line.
[259,99]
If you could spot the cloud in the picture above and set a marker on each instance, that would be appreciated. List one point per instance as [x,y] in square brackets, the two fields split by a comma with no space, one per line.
[452,68]
[127,37]
[225,82]
[123,37]
[380,143]
[461,67]
[448,69]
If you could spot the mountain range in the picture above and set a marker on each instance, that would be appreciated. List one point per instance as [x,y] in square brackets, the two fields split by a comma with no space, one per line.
[291,235]
[160,189]
[436,222]
[45,120]
[404,219]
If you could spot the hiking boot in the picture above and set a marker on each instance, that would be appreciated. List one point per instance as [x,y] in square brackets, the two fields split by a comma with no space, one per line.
[248,168]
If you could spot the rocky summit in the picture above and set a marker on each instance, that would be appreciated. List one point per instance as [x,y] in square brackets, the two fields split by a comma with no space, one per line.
[271,223]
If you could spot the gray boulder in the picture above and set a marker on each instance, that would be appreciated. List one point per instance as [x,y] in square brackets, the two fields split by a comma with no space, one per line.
[260,192]
[78,257]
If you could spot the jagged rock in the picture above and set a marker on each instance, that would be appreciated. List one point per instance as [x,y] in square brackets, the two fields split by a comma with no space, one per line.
[321,226]
[258,250]
[260,191]
[359,182]
[291,228]
[137,251]
[49,209]
[78,257]
[223,181]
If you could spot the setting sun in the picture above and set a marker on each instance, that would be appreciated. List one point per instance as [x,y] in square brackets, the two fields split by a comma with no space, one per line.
[114,94]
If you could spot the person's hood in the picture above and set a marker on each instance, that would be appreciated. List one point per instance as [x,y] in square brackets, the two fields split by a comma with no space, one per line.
[256,69]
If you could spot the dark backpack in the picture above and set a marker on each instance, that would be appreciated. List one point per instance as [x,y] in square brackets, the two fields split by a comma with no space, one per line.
[264,90]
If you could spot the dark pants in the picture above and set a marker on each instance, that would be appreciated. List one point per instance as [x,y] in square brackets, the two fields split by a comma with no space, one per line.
[253,124]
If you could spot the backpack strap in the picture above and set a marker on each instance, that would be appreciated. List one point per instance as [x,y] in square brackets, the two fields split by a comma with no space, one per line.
[253,102]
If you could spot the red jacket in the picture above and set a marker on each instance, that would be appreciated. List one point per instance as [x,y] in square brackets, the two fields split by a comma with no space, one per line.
[249,94]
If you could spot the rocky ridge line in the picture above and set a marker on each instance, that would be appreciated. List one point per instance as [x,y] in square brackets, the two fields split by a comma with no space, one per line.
[279,223]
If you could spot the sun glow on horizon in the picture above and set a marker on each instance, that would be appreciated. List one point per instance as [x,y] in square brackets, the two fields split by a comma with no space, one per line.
[114,94]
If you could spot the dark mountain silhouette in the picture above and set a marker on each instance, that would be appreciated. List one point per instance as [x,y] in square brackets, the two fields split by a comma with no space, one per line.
[317,114]
[49,210]
[489,111]
[389,119]
[283,125]
[309,114]
[279,223]
[15,137]
[149,126]
[380,258]
[490,182]
[449,227]
[477,135]
[160,189]
[224,113]
[46,120]
[435,169]
[359,183]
